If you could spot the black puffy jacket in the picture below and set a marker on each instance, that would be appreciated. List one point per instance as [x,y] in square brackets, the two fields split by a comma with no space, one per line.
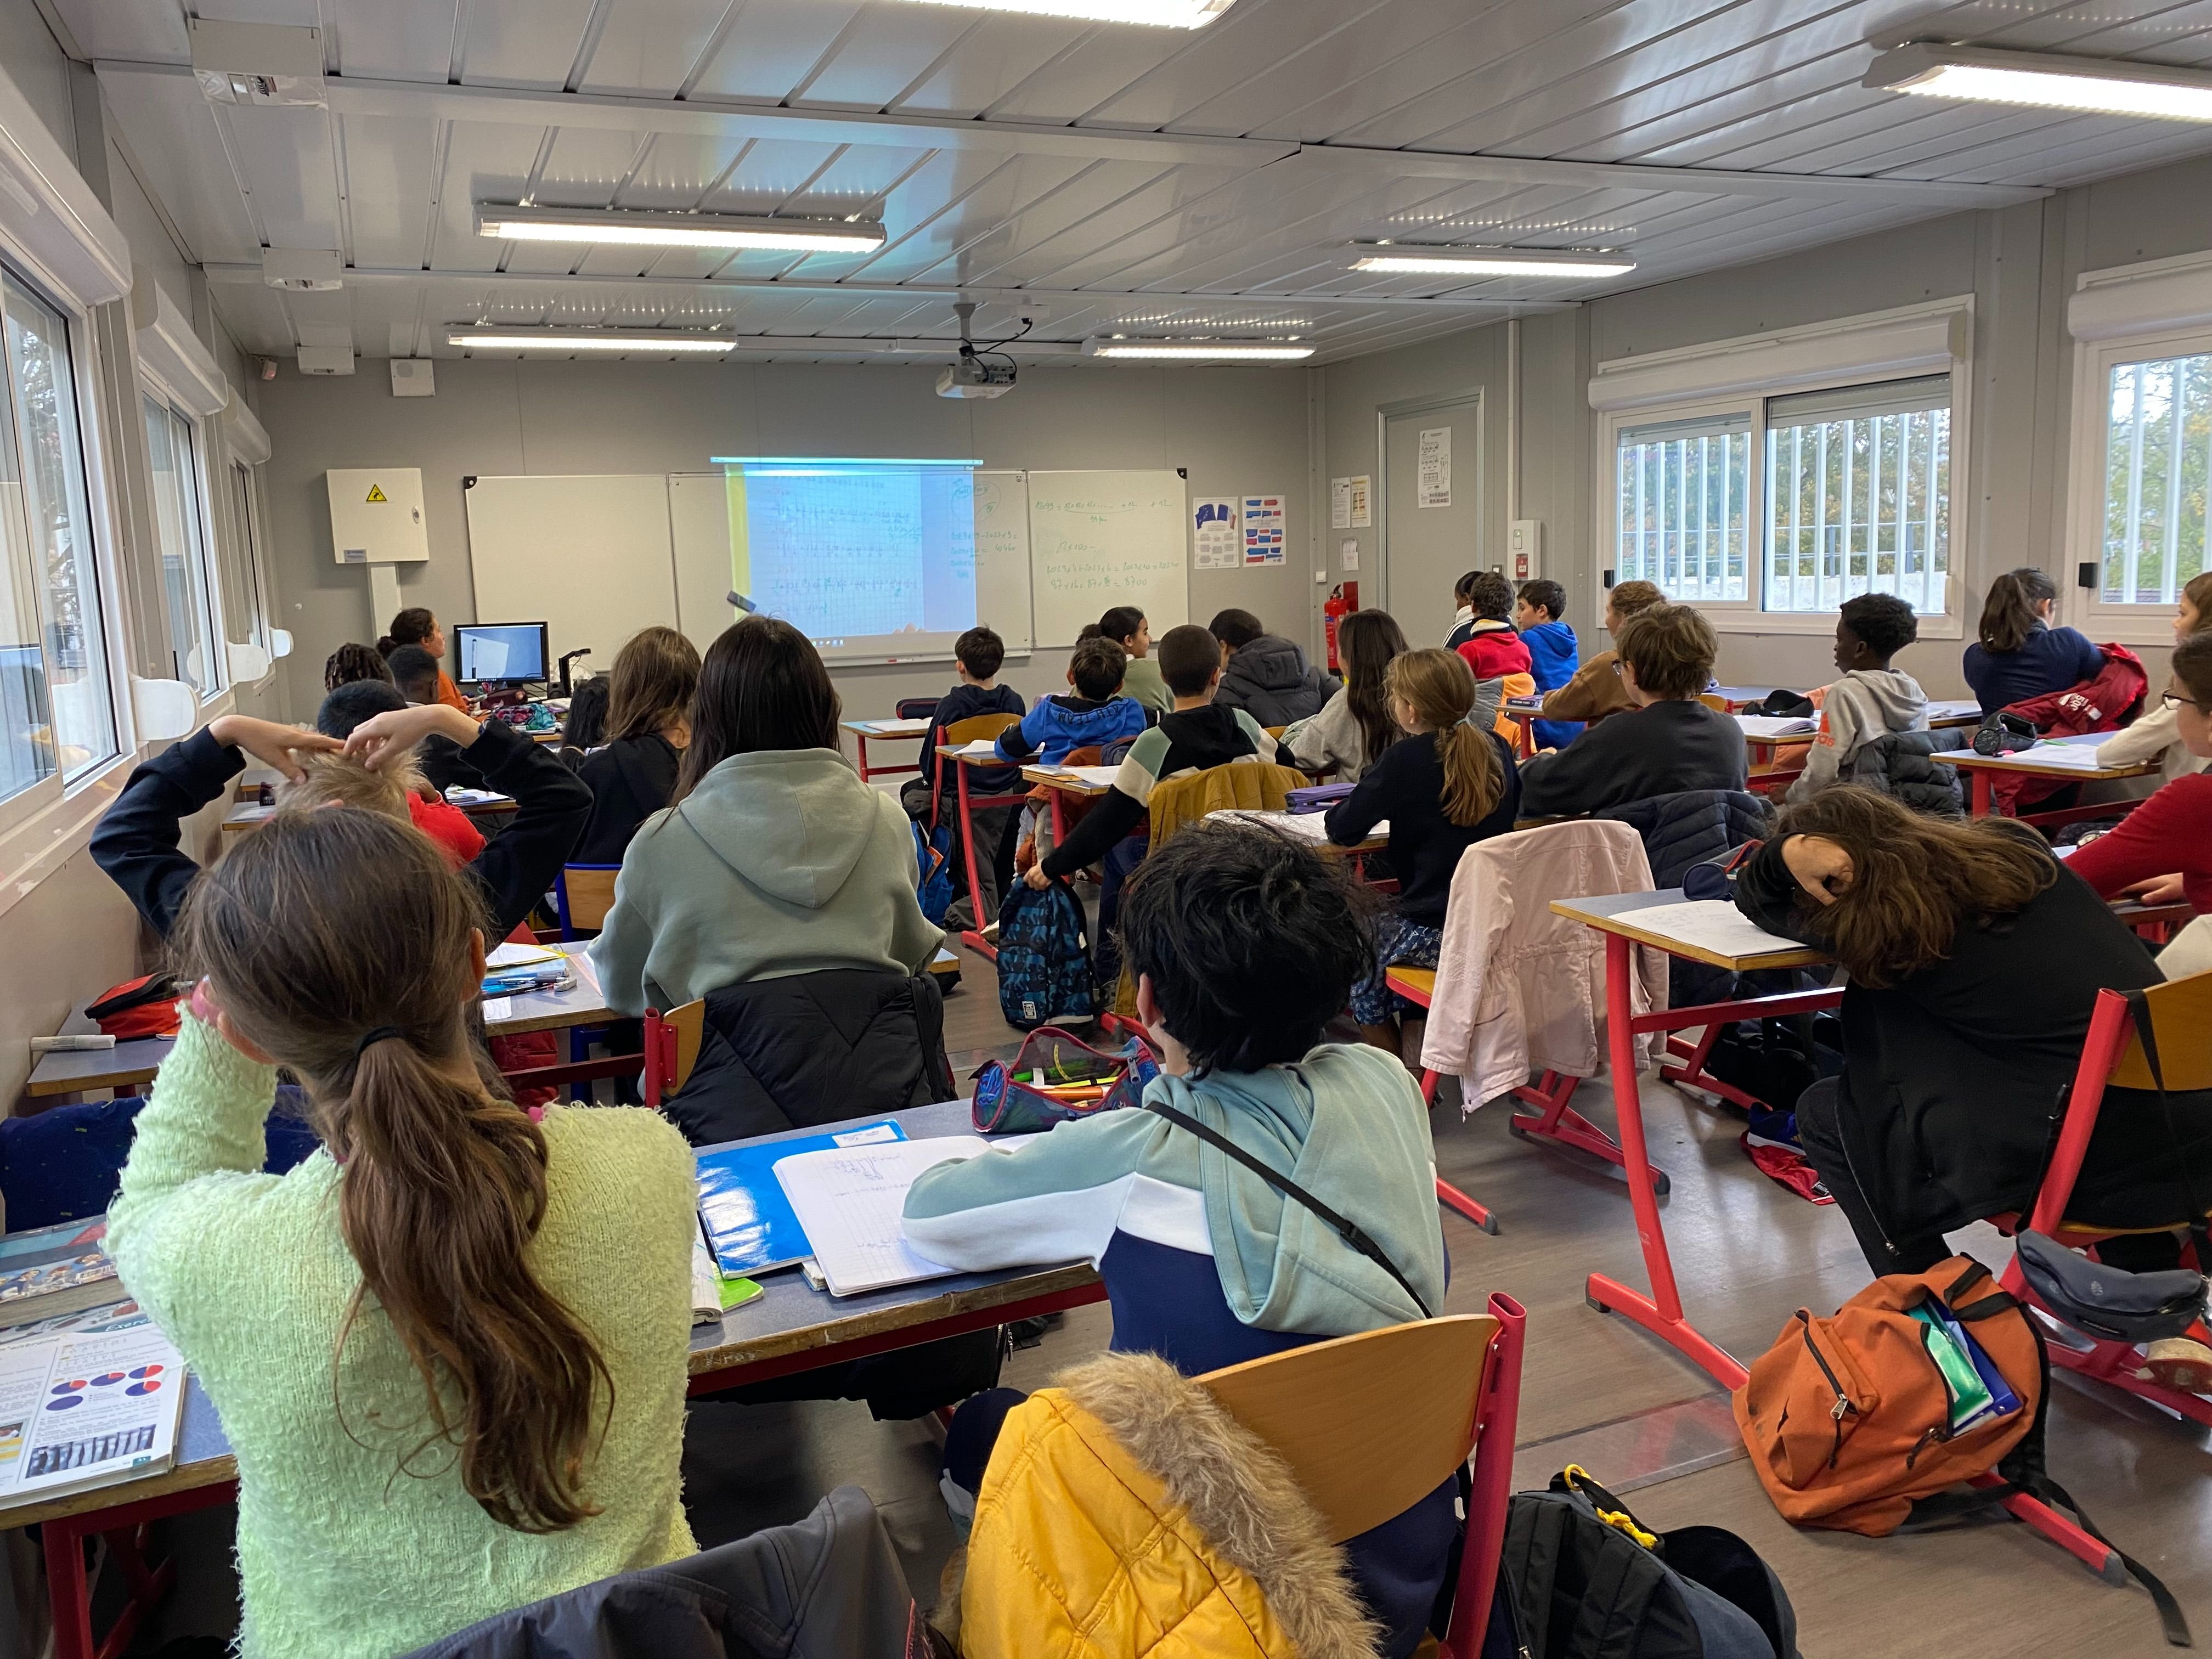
[1682,829]
[1903,764]
[1271,680]
[809,1049]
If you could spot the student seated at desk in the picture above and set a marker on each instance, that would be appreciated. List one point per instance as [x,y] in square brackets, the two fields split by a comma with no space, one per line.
[1355,726]
[1450,785]
[1265,674]
[1197,733]
[1554,653]
[773,858]
[584,726]
[1975,959]
[1596,691]
[2155,735]
[1495,652]
[449,1349]
[1130,630]
[2019,654]
[1872,698]
[350,706]
[1097,713]
[655,676]
[416,673]
[350,663]
[1668,743]
[416,626]
[2163,849]
[1243,944]
[138,843]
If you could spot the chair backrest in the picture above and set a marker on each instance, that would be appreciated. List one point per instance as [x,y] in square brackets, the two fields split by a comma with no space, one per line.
[671,1050]
[914,709]
[1369,1424]
[979,725]
[1249,785]
[2181,1019]
[584,893]
[1714,700]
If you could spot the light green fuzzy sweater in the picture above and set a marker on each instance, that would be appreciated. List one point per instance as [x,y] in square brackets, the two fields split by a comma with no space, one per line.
[343,1556]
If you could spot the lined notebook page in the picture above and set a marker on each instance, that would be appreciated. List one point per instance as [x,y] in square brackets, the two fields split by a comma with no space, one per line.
[848,1201]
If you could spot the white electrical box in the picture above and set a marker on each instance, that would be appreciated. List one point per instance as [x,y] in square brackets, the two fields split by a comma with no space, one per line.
[376,515]
[1524,549]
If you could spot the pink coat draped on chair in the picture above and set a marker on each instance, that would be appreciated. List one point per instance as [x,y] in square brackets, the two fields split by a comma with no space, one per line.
[1520,989]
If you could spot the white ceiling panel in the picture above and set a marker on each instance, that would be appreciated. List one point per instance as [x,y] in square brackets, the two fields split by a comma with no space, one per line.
[1108,176]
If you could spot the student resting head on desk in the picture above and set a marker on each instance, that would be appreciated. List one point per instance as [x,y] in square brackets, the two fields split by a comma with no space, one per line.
[1243,944]
[1669,742]
[1975,959]
[1450,784]
[449,1347]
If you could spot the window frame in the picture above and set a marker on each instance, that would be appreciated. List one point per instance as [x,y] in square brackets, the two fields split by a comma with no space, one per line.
[1737,377]
[215,698]
[2086,608]
[247,523]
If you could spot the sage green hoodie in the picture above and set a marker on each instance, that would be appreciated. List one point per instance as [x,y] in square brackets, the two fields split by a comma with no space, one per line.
[780,862]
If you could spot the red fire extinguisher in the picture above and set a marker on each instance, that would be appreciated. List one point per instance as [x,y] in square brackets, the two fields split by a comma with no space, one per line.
[1343,599]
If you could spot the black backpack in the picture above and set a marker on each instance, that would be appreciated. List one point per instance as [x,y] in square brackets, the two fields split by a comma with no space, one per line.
[1580,1579]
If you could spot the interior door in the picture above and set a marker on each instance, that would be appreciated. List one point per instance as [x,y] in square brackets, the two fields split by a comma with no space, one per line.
[1431,513]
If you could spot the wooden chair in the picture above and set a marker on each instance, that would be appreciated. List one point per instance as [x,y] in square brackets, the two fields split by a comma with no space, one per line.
[582,895]
[671,1050]
[968,731]
[1372,1423]
[1714,700]
[2113,1057]
[1419,987]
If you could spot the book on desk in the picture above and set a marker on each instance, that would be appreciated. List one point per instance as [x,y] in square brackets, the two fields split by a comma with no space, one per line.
[86,1401]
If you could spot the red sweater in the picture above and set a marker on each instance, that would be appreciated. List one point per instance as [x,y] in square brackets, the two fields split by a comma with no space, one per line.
[1494,651]
[2171,831]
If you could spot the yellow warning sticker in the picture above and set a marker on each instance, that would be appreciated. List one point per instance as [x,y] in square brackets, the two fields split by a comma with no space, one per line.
[376,492]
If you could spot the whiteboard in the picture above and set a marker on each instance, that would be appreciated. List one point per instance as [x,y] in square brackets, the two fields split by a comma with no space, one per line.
[1100,539]
[589,556]
[1002,557]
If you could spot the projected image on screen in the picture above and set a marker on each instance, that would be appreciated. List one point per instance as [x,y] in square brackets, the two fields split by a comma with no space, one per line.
[870,559]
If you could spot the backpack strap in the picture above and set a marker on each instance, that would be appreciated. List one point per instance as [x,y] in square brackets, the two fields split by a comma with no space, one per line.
[1347,1231]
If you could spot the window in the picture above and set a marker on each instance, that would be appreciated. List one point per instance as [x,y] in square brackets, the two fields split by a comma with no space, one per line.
[1685,505]
[56,712]
[2157,454]
[245,614]
[180,525]
[1852,495]
[1858,492]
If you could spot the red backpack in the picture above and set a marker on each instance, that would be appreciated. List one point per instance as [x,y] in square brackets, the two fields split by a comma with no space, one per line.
[2103,703]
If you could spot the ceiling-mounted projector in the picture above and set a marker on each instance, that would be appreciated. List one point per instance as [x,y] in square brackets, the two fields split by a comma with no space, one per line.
[986,374]
[973,377]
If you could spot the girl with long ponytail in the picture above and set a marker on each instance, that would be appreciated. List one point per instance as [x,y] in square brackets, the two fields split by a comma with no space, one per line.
[1448,785]
[2018,655]
[449,1348]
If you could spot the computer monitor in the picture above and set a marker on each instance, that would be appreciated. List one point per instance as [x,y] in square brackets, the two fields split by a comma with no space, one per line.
[500,653]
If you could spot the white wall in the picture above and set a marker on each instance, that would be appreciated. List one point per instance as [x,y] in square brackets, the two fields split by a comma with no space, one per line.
[1234,429]
[2020,265]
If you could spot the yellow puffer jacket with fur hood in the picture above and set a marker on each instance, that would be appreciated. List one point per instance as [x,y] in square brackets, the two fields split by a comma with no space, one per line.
[1125,1513]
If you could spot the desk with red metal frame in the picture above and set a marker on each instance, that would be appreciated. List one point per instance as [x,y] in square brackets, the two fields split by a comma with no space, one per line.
[789,1327]
[1661,1312]
[963,761]
[882,731]
[1058,784]
[1984,768]
[1524,713]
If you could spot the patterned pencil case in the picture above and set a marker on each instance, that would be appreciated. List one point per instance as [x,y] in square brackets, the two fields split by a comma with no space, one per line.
[1057,1078]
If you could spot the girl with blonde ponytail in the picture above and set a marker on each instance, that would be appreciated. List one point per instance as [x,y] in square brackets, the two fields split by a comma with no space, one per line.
[1444,787]
[449,1348]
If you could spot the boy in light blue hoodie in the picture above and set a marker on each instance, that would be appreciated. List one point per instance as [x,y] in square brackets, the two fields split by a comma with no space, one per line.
[1554,653]
[1243,944]
[1096,714]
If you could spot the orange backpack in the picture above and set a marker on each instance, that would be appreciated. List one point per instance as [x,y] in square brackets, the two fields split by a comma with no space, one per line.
[1848,1417]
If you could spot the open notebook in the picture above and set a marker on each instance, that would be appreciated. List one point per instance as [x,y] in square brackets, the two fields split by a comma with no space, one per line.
[1306,826]
[847,1199]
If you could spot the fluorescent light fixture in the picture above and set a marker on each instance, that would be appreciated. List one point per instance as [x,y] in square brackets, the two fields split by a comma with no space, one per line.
[1249,351]
[1412,259]
[841,463]
[648,342]
[2095,86]
[1160,13]
[619,227]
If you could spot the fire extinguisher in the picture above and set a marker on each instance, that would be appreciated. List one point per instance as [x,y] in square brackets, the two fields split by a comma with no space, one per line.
[1343,600]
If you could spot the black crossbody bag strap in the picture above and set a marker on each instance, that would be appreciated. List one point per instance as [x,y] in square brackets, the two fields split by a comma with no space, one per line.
[1347,1231]
[2146,1033]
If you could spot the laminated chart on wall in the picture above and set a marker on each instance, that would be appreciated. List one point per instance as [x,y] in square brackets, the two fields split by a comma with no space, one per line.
[1215,542]
[1264,530]
[1102,539]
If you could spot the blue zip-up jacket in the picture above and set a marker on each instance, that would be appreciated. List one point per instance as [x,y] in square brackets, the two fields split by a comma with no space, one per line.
[1059,725]
[2048,659]
[1553,656]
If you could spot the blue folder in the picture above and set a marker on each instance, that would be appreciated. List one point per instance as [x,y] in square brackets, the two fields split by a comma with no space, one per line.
[750,1223]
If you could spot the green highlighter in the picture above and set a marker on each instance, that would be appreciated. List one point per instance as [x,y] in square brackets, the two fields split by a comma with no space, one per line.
[1970,1396]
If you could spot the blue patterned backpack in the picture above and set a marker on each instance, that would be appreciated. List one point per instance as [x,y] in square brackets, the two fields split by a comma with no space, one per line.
[1044,958]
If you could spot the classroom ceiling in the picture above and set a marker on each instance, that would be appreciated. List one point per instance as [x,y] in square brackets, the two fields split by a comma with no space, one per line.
[1109,178]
